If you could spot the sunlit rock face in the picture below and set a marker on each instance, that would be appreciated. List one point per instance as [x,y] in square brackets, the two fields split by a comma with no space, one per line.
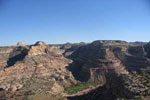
[38,49]
[21,44]
[38,67]
[43,67]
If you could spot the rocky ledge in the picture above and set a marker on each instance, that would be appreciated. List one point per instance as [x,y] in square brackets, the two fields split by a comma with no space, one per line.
[36,68]
[51,68]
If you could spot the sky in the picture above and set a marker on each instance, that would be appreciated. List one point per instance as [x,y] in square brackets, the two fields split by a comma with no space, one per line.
[61,21]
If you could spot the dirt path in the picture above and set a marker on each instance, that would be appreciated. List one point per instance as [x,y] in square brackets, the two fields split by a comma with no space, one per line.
[80,92]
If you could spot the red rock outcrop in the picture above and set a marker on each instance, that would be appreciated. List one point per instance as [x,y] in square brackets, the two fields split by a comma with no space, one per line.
[48,68]
[92,61]
[39,69]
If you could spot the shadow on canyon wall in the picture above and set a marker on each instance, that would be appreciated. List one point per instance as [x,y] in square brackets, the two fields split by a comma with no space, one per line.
[17,54]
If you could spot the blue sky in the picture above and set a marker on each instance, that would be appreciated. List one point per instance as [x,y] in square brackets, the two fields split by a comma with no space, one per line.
[60,21]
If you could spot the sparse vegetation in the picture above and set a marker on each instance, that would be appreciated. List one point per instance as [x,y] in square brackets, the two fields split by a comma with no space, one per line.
[79,87]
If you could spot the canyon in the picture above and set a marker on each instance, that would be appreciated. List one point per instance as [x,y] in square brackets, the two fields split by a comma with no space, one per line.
[121,67]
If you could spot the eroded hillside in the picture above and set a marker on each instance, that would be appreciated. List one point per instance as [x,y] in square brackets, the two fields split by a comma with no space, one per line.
[41,68]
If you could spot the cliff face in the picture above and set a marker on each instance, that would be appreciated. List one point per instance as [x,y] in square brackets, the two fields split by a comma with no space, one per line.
[120,87]
[36,68]
[87,62]
[50,68]
[4,56]
[91,62]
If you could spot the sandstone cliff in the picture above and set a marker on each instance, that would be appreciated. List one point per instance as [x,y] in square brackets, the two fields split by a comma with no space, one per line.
[36,68]
[50,68]
[91,62]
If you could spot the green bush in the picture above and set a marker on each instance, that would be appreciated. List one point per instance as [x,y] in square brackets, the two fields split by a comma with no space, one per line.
[79,87]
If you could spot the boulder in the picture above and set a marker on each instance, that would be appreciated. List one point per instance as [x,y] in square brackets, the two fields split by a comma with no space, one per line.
[21,44]
[38,48]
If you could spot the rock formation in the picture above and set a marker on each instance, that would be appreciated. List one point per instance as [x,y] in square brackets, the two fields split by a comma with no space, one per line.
[92,61]
[50,68]
[4,56]
[120,87]
[38,49]
[21,44]
[37,70]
